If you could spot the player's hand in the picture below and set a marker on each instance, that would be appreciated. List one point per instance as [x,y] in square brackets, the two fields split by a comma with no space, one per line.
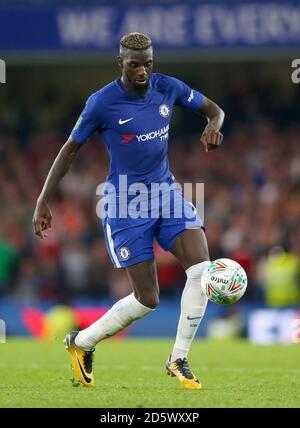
[42,218]
[211,139]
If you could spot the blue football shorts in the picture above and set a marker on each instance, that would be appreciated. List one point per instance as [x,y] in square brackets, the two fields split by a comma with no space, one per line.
[130,240]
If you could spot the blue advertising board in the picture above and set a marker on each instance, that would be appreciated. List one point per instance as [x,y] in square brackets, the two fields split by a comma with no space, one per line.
[172,26]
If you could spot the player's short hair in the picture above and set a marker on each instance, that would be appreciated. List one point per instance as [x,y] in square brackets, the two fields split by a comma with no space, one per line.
[135,41]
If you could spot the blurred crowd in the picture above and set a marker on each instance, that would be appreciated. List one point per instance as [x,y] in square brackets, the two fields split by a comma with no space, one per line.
[252,207]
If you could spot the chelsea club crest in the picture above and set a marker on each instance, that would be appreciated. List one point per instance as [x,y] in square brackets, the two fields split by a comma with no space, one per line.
[164,110]
[124,253]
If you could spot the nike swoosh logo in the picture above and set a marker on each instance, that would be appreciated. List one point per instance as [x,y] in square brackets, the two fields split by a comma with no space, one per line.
[121,122]
[193,318]
[87,379]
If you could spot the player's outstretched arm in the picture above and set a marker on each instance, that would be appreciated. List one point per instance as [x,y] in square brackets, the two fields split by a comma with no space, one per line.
[212,137]
[42,215]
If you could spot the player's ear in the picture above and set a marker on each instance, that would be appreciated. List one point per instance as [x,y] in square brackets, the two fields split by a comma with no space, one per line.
[120,61]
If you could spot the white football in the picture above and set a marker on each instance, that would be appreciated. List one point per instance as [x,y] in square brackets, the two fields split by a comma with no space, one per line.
[224,281]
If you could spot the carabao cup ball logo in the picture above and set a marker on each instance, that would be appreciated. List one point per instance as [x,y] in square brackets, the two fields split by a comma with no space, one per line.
[224,281]
[164,110]
[124,253]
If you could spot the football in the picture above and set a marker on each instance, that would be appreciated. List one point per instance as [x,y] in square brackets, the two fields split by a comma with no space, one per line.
[224,281]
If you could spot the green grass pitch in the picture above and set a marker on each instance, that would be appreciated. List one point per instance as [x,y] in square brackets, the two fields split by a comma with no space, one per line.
[130,373]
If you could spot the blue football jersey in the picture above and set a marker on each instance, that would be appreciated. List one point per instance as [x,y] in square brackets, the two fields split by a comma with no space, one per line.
[135,129]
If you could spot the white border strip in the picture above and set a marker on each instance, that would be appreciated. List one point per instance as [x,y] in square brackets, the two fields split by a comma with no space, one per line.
[111,245]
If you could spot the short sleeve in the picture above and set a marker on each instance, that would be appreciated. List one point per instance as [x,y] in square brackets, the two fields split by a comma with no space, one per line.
[89,120]
[186,96]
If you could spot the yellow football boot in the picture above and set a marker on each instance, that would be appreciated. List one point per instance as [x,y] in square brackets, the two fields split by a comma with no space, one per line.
[180,369]
[82,361]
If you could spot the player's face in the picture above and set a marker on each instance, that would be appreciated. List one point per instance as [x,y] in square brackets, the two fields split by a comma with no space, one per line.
[136,67]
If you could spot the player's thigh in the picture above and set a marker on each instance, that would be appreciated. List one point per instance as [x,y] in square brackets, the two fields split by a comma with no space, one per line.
[128,241]
[191,247]
[182,233]
[143,279]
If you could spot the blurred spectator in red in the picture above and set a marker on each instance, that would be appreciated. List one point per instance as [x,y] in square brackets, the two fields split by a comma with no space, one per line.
[252,197]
